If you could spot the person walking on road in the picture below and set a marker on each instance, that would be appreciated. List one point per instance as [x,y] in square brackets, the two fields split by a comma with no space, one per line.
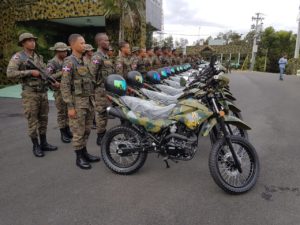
[282,64]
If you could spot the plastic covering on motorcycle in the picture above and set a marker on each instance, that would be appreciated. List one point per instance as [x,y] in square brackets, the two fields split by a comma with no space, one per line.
[147,108]
[169,90]
[173,83]
[160,97]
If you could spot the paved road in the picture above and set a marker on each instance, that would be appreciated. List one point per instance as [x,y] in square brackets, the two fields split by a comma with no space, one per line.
[52,191]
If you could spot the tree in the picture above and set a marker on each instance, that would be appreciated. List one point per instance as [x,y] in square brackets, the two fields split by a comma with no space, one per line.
[168,41]
[120,7]
[276,43]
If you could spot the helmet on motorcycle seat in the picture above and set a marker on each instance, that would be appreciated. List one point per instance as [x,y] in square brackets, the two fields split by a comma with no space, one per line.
[163,74]
[153,77]
[116,84]
[177,69]
[168,71]
[135,79]
[173,70]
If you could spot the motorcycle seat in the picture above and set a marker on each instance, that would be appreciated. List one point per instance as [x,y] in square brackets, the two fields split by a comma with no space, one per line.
[160,97]
[169,90]
[147,108]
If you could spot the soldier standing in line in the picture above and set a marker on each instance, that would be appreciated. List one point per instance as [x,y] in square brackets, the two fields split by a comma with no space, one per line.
[54,68]
[149,58]
[123,63]
[142,61]
[135,55]
[156,58]
[101,66]
[87,55]
[77,90]
[165,58]
[34,92]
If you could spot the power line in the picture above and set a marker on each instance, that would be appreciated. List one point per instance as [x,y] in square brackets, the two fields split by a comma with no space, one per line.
[170,33]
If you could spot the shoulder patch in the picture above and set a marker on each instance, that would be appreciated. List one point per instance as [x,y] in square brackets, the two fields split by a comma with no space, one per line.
[49,69]
[96,61]
[66,68]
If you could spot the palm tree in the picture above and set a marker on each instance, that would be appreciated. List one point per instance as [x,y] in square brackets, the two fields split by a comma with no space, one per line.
[121,7]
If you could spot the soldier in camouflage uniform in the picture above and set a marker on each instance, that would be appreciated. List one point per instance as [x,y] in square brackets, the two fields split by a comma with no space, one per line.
[156,58]
[88,54]
[165,58]
[34,94]
[77,90]
[123,63]
[142,62]
[100,67]
[135,55]
[54,68]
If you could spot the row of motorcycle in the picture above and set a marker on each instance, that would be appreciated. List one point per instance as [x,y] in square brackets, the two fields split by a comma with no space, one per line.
[165,111]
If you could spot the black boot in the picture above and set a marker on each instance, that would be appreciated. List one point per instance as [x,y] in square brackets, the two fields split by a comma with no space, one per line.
[37,151]
[64,136]
[45,146]
[69,133]
[81,161]
[99,138]
[90,158]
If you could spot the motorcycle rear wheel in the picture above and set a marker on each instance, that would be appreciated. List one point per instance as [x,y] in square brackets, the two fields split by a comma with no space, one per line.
[111,150]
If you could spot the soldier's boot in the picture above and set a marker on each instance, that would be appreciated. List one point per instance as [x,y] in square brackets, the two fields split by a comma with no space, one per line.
[90,158]
[64,135]
[45,146]
[99,138]
[81,161]
[69,132]
[37,151]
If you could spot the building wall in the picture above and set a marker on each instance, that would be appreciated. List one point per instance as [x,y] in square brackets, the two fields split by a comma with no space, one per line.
[14,11]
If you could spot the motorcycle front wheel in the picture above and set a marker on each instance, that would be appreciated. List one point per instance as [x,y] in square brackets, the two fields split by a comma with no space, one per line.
[224,171]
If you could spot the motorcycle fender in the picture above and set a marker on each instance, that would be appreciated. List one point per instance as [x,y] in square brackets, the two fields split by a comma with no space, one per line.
[208,125]
[232,107]
[229,96]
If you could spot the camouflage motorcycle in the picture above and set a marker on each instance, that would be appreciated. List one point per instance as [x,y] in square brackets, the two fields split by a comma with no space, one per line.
[172,132]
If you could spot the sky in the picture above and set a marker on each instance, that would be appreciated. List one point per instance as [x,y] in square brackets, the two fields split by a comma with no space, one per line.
[203,18]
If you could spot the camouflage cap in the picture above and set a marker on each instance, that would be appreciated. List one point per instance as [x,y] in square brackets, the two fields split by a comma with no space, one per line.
[25,36]
[135,49]
[59,46]
[89,47]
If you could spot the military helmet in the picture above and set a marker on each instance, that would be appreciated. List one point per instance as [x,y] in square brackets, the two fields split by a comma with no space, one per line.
[168,71]
[135,49]
[163,74]
[60,47]
[25,36]
[173,70]
[153,77]
[116,84]
[89,47]
[135,79]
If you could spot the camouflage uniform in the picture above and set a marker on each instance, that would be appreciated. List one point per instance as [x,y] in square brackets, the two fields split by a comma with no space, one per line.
[77,92]
[54,67]
[34,92]
[100,67]
[142,63]
[155,62]
[165,60]
[124,65]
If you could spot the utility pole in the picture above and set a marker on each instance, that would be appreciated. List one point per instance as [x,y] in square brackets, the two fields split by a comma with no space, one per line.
[257,28]
[296,55]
